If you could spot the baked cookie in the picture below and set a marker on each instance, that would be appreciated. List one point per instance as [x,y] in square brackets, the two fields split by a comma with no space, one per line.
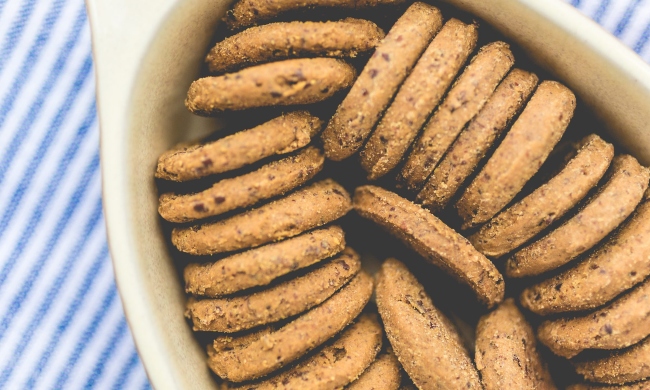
[619,264]
[622,323]
[271,180]
[523,220]
[418,96]
[426,345]
[260,266]
[506,352]
[643,385]
[465,99]
[270,349]
[229,315]
[281,135]
[283,83]
[383,374]
[392,61]
[271,42]
[520,155]
[620,367]
[432,239]
[478,137]
[608,208]
[302,210]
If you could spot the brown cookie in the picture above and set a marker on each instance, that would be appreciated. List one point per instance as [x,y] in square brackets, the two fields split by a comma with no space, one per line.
[271,42]
[643,385]
[283,83]
[465,99]
[607,209]
[271,180]
[377,83]
[523,220]
[268,350]
[383,374]
[622,323]
[260,266]
[506,351]
[474,142]
[425,344]
[432,239]
[520,155]
[629,365]
[418,96]
[281,135]
[284,300]
[302,210]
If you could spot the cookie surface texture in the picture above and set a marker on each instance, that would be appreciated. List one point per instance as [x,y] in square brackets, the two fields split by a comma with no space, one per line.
[383,374]
[620,367]
[643,385]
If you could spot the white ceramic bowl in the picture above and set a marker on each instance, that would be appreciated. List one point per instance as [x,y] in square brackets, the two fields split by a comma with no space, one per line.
[148,51]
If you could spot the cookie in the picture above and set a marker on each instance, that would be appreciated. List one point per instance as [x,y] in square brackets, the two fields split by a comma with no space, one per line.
[426,345]
[283,83]
[418,96]
[281,135]
[614,201]
[260,266]
[622,323]
[271,180]
[549,202]
[643,385]
[465,99]
[335,365]
[271,42]
[383,374]
[475,141]
[299,211]
[268,350]
[520,155]
[620,367]
[387,68]
[616,266]
[432,239]
[506,351]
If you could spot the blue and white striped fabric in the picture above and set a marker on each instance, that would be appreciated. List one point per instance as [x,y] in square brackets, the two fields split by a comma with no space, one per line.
[61,322]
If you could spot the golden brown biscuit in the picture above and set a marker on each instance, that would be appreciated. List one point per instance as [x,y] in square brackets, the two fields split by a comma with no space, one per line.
[620,324]
[616,266]
[268,350]
[383,374]
[523,220]
[608,208]
[283,83]
[379,80]
[474,142]
[271,180]
[260,266]
[302,210]
[418,96]
[643,385]
[432,239]
[506,352]
[281,135]
[284,300]
[620,367]
[423,341]
[274,41]
[465,99]
[520,155]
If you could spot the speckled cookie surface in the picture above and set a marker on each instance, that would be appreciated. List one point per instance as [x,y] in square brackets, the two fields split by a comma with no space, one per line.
[302,210]
[520,155]
[432,239]
[422,340]
[418,97]
[523,220]
[260,266]
[371,93]
[630,365]
[283,83]
[271,180]
[643,385]
[266,351]
[383,374]
[615,200]
[275,41]
[465,99]
[281,135]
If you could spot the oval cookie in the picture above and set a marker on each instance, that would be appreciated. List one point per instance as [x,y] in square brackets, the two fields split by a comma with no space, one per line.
[432,239]
[620,367]
[383,374]
[302,210]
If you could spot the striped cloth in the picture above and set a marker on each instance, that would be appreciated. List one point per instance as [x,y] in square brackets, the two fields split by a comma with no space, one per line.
[61,322]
